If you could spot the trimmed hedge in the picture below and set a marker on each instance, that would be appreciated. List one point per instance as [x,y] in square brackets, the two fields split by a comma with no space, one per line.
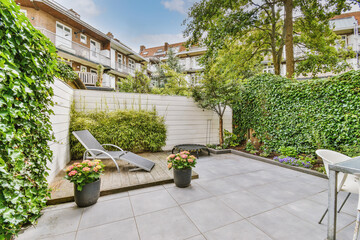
[307,114]
[132,130]
[27,66]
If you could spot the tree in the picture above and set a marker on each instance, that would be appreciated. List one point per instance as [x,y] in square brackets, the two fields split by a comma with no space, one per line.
[215,93]
[176,83]
[172,62]
[215,23]
[140,83]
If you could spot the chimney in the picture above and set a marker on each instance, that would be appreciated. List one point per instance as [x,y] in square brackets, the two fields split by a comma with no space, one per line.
[142,48]
[109,34]
[72,11]
[166,47]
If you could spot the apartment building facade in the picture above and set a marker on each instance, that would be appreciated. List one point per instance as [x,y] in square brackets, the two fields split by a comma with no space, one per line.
[188,58]
[82,46]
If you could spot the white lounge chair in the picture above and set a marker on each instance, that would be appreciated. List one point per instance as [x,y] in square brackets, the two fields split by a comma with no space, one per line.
[97,151]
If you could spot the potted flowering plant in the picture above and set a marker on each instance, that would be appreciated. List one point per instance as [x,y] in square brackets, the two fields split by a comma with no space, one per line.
[86,179]
[182,163]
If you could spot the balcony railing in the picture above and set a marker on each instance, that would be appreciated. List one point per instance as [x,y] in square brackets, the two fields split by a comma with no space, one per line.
[76,48]
[125,69]
[88,78]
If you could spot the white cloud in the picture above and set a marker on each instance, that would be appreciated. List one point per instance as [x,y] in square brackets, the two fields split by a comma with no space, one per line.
[180,6]
[86,8]
[152,40]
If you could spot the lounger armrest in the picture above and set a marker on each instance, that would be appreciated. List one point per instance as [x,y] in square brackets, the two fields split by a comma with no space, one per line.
[112,145]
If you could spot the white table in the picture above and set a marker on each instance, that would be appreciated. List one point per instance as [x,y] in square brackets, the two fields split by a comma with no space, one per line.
[350,166]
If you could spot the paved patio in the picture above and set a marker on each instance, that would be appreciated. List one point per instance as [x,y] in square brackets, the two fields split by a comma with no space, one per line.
[234,198]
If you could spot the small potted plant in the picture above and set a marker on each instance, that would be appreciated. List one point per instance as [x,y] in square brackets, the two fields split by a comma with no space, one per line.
[182,163]
[86,179]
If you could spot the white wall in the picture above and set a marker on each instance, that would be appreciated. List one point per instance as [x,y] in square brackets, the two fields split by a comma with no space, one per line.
[63,97]
[186,123]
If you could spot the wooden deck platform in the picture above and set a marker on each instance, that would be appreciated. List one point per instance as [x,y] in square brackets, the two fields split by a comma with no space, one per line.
[114,182]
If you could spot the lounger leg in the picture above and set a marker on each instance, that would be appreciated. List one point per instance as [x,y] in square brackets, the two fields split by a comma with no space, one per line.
[356,231]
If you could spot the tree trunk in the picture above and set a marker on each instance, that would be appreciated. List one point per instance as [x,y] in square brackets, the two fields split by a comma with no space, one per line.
[289,45]
[221,131]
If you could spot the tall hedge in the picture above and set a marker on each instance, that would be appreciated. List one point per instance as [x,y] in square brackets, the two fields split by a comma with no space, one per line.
[308,115]
[27,62]
[132,130]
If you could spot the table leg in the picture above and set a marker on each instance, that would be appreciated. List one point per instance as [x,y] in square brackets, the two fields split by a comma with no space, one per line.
[332,205]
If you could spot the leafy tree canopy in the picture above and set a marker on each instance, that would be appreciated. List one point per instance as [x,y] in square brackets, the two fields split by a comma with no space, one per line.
[259,25]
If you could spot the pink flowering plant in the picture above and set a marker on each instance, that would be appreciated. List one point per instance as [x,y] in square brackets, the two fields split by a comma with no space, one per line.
[84,172]
[182,160]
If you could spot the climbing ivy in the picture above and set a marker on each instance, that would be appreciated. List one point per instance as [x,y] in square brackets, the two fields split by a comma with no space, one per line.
[27,63]
[307,114]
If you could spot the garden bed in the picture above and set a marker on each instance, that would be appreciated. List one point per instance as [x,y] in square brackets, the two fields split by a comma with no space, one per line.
[267,160]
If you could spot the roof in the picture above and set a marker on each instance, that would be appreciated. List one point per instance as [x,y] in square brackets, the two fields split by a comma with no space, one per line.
[160,51]
[347,15]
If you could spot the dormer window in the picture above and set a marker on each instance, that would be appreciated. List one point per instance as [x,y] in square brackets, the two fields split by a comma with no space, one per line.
[159,50]
[145,53]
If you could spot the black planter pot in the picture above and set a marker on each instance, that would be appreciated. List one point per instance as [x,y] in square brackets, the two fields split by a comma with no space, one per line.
[88,195]
[182,177]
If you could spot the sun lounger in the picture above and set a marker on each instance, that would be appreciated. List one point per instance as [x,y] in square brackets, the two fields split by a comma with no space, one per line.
[97,151]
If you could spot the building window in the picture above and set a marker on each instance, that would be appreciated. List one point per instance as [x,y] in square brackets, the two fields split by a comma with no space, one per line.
[120,58]
[24,12]
[83,68]
[93,71]
[83,38]
[269,69]
[131,64]
[145,53]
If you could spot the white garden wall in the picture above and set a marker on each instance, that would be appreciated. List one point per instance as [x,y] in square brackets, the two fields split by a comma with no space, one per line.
[63,98]
[185,121]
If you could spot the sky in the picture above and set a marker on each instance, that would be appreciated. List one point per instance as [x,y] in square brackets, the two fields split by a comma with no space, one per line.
[135,22]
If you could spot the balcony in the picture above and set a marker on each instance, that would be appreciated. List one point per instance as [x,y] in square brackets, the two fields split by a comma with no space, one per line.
[77,49]
[88,78]
[125,69]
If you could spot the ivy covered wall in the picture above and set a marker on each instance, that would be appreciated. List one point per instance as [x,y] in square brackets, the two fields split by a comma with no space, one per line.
[27,63]
[308,115]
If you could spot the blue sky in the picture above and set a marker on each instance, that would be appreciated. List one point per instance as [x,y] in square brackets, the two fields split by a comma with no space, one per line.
[135,22]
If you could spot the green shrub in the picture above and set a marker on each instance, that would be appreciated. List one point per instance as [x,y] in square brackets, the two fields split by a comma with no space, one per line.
[230,139]
[249,146]
[307,114]
[27,67]
[132,130]
[351,151]
[288,151]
